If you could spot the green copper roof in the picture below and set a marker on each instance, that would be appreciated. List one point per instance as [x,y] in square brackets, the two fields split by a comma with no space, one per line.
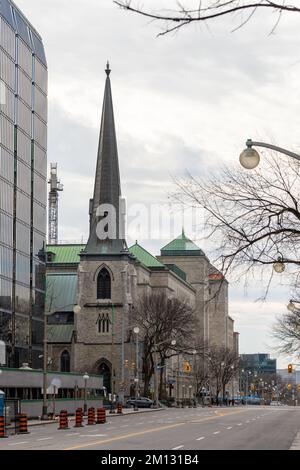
[145,257]
[60,333]
[61,292]
[68,254]
[182,246]
[177,271]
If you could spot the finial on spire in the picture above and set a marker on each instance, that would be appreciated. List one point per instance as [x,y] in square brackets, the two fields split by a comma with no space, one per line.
[107,70]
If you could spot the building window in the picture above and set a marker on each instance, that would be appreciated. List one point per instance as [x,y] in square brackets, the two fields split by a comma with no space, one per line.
[65,362]
[103,285]
[103,323]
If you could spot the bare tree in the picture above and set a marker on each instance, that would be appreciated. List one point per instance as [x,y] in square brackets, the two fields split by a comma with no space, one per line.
[287,331]
[201,376]
[223,367]
[199,11]
[253,216]
[162,319]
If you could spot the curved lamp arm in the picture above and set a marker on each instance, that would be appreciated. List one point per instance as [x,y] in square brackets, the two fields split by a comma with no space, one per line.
[250,143]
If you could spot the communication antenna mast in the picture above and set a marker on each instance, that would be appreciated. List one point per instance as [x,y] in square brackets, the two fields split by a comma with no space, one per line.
[55,187]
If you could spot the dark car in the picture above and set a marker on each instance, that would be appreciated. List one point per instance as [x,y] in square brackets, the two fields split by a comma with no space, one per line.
[142,402]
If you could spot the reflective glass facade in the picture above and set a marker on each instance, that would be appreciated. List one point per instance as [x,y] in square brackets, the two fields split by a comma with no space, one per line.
[23,186]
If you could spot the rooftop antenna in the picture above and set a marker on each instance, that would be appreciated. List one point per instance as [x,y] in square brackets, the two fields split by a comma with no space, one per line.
[55,187]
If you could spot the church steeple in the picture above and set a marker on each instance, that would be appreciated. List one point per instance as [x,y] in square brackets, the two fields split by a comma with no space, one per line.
[107,189]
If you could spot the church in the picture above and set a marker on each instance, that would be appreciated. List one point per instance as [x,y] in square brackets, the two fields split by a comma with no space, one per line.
[92,288]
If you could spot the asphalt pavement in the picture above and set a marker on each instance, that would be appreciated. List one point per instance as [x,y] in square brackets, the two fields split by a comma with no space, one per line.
[234,428]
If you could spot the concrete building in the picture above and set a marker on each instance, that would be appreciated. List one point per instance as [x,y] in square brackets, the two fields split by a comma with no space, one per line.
[23,165]
[106,279]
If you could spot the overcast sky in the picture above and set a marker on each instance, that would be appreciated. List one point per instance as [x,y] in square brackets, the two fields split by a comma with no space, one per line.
[183,102]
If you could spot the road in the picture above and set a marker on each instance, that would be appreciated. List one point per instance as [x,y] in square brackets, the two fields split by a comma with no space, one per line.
[235,428]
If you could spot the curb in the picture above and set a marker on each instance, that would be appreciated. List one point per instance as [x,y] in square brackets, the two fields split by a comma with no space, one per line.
[72,418]
[296,443]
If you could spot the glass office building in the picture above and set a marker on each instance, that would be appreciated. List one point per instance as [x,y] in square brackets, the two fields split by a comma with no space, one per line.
[23,186]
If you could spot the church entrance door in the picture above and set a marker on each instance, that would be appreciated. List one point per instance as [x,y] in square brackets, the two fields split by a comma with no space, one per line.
[105,372]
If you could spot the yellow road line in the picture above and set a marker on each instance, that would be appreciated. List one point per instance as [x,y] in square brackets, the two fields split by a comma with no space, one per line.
[135,434]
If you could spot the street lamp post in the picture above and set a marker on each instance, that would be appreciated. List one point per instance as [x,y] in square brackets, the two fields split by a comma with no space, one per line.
[136,332]
[194,373]
[177,383]
[232,385]
[203,391]
[85,378]
[45,365]
[248,373]
[190,396]
[183,395]
[77,310]
[173,343]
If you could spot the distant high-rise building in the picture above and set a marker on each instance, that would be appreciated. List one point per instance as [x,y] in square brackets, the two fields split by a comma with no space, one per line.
[260,363]
[23,185]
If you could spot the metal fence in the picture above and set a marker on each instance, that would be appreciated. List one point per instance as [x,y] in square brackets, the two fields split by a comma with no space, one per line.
[12,409]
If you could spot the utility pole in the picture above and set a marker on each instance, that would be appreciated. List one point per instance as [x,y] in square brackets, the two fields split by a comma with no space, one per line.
[55,187]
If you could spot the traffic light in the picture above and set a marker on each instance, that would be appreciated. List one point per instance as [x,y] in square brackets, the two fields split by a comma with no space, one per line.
[289,386]
[126,363]
[187,367]
[290,368]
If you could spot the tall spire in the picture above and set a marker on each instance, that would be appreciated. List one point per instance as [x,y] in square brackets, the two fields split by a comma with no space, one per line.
[107,189]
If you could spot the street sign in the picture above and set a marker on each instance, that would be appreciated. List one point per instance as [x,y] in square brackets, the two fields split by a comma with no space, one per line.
[53,387]
[171,381]
[52,390]
[56,383]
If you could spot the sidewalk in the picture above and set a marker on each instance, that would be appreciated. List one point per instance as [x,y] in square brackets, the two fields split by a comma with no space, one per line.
[126,411]
[296,443]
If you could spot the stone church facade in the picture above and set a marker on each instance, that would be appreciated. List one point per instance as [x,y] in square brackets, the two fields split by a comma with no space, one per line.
[105,279]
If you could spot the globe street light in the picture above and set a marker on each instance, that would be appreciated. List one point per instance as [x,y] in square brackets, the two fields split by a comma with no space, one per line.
[136,331]
[85,378]
[292,307]
[77,309]
[250,158]
[279,266]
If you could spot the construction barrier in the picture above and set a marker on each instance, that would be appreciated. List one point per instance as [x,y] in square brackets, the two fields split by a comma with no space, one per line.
[23,424]
[91,417]
[101,416]
[79,418]
[120,409]
[2,427]
[63,420]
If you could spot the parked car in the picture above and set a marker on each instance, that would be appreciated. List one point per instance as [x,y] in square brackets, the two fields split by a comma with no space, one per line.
[142,402]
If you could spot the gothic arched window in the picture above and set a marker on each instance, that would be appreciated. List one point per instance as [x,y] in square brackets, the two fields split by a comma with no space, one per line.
[103,285]
[103,323]
[65,362]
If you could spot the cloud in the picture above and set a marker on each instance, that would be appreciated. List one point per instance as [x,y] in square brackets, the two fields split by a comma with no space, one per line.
[186,101]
